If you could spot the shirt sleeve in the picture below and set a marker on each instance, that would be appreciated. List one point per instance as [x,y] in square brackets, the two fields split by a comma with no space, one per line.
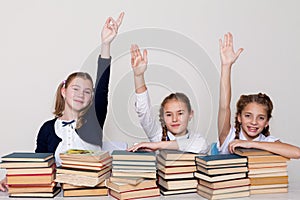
[223,149]
[147,120]
[195,143]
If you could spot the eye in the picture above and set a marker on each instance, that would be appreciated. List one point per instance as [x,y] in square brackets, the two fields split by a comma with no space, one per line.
[247,115]
[168,115]
[262,118]
[180,113]
[87,92]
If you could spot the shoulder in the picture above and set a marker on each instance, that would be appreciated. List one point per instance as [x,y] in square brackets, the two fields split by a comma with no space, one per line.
[48,127]
[49,123]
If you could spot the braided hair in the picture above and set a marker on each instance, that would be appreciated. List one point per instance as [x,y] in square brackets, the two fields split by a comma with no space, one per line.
[173,96]
[244,100]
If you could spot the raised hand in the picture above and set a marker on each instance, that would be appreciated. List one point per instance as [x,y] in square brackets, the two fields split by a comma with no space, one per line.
[110,29]
[228,56]
[138,62]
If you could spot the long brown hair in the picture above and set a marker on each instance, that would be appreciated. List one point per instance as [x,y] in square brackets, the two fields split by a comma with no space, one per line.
[244,100]
[179,97]
[60,101]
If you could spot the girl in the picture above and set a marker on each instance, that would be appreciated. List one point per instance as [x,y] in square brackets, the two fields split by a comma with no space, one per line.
[175,114]
[78,122]
[252,117]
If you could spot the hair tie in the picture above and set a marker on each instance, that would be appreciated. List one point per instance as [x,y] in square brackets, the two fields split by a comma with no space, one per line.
[63,83]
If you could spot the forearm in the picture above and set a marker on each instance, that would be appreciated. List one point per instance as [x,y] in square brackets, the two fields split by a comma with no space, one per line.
[105,50]
[224,113]
[283,149]
[139,83]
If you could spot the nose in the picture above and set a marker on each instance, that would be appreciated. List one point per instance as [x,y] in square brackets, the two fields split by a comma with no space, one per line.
[175,118]
[254,121]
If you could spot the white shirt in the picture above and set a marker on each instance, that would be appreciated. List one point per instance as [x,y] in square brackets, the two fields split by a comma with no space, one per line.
[191,142]
[230,137]
[70,140]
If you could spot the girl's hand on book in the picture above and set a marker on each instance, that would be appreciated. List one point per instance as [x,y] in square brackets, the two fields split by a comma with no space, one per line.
[3,185]
[144,146]
[239,143]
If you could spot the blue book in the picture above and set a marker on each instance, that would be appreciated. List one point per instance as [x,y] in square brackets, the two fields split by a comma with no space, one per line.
[221,159]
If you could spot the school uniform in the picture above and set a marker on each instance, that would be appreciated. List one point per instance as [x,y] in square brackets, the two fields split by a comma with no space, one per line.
[223,149]
[191,142]
[53,132]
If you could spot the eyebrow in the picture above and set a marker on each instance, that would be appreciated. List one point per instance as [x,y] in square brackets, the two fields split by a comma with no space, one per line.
[80,87]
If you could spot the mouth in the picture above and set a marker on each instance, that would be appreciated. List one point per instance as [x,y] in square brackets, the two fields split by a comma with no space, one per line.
[252,129]
[175,125]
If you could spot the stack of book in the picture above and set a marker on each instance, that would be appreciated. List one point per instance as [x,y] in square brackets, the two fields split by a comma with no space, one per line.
[176,172]
[83,174]
[133,175]
[222,176]
[267,171]
[30,174]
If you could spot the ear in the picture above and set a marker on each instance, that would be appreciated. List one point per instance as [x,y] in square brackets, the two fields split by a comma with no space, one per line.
[267,124]
[191,115]
[63,92]
[239,118]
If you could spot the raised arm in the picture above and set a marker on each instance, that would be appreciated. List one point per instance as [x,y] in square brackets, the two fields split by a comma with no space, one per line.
[228,57]
[109,32]
[139,66]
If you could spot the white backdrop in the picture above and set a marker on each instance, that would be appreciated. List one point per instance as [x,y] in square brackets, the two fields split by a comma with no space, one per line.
[41,42]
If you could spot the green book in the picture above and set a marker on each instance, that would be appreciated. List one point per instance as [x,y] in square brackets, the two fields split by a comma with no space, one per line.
[137,155]
[27,157]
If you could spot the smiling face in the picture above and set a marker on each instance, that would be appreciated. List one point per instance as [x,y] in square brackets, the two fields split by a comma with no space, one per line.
[176,116]
[78,94]
[253,119]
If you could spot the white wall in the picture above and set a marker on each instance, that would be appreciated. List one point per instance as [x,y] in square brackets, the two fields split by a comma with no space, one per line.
[41,42]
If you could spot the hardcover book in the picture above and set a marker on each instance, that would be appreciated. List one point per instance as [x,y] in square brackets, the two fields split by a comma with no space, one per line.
[89,191]
[27,156]
[221,159]
[216,178]
[85,156]
[138,155]
[251,151]
[178,184]
[136,194]
[129,180]
[225,184]
[178,155]
[123,187]
[27,164]
[82,172]
[37,194]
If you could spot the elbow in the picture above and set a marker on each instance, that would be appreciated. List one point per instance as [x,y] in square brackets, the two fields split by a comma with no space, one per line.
[297,154]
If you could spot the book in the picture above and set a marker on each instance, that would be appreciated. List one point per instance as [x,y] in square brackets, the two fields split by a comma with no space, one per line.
[135,174]
[167,154]
[269,190]
[267,159]
[96,191]
[269,180]
[176,169]
[267,170]
[37,194]
[134,167]
[100,164]
[27,156]
[174,162]
[225,184]
[228,170]
[135,194]
[31,188]
[134,162]
[165,192]
[86,156]
[221,166]
[255,187]
[123,187]
[175,175]
[272,174]
[27,164]
[178,184]
[221,159]
[263,165]
[80,180]
[66,186]
[222,190]
[225,195]
[129,180]
[30,179]
[137,155]
[20,171]
[82,172]
[216,178]
[251,152]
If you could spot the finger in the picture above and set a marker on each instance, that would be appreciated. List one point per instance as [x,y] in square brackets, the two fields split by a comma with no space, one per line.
[230,39]
[220,43]
[120,18]
[225,40]
[145,53]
